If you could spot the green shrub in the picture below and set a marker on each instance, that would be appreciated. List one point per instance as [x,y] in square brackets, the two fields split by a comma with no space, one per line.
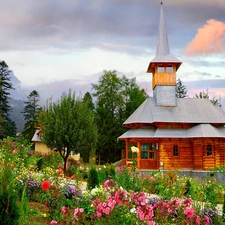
[93,179]
[9,209]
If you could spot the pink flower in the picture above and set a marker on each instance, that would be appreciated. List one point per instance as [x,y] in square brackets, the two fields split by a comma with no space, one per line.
[63,210]
[77,212]
[206,220]
[45,185]
[151,223]
[189,212]
[53,222]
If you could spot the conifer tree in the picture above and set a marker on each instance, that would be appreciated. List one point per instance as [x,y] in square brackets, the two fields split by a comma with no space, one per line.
[181,90]
[7,126]
[30,113]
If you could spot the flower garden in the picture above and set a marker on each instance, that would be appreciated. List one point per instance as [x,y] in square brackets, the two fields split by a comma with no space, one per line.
[35,190]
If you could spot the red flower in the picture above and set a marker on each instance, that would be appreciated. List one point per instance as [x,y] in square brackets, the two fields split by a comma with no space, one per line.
[45,203]
[60,171]
[45,185]
[72,177]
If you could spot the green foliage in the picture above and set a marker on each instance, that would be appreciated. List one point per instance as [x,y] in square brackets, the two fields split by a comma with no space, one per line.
[223,213]
[68,126]
[93,179]
[9,209]
[187,192]
[7,126]
[52,159]
[106,172]
[30,113]
[128,180]
[24,208]
[205,95]
[181,90]
[117,98]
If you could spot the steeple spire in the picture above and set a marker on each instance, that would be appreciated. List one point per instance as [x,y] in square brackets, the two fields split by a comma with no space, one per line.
[163,44]
[163,68]
[162,50]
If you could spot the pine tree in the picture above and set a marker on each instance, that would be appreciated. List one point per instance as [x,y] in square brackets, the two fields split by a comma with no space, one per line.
[205,95]
[30,113]
[7,126]
[181,90]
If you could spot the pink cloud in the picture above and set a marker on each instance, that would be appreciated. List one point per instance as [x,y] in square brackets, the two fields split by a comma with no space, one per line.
[210,39]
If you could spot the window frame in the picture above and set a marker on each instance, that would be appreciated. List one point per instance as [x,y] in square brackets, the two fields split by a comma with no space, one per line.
[175,151]
[148,149]
[209,149]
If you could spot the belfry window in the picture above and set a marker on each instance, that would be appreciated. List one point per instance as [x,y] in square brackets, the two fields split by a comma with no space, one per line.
[160,69]
[169,69]
[209,150]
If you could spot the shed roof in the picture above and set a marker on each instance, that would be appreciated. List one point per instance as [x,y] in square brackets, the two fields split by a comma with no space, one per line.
[188,110]
[36,136]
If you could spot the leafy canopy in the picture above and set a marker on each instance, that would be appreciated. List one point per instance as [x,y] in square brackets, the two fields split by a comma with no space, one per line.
[68,126]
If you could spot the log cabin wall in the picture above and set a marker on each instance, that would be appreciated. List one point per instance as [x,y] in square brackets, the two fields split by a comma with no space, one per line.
[190,153]
[176,153]
[220,152]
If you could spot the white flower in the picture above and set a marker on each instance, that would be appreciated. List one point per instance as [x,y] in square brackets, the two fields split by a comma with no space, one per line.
[134,149]
[133,210]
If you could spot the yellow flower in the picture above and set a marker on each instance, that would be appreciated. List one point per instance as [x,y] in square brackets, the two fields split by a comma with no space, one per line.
[134,149]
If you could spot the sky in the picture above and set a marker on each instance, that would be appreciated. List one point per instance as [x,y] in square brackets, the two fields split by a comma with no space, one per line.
[56,44]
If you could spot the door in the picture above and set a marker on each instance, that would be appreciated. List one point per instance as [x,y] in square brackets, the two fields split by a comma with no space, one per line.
[148,156]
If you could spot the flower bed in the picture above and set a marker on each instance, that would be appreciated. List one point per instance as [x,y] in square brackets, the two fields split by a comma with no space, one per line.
[113,195]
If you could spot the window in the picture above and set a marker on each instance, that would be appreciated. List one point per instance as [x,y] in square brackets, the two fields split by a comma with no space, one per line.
[209,150]
[160,69]
[169,69]
[175,150]
[148,151]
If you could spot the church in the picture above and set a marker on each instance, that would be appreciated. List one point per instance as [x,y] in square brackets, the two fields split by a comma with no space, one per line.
[170,132]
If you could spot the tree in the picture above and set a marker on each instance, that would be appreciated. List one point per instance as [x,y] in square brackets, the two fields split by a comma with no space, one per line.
[181,90]
[132,94]
[88,99]
[68,126]
[30,113]
[205,95]
[117,98]
[7,126]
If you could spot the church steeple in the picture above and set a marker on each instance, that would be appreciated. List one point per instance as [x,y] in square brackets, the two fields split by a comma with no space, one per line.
[163,48]
[163,68]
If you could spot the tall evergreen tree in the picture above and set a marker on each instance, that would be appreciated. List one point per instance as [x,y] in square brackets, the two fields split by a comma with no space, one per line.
[7,126]
[181,90]
[30,113]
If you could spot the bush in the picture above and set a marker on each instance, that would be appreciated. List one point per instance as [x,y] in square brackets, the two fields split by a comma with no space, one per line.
[93,179]
[9,209]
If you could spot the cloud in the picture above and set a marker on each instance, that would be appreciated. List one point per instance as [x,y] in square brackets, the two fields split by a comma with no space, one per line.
[208,40]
